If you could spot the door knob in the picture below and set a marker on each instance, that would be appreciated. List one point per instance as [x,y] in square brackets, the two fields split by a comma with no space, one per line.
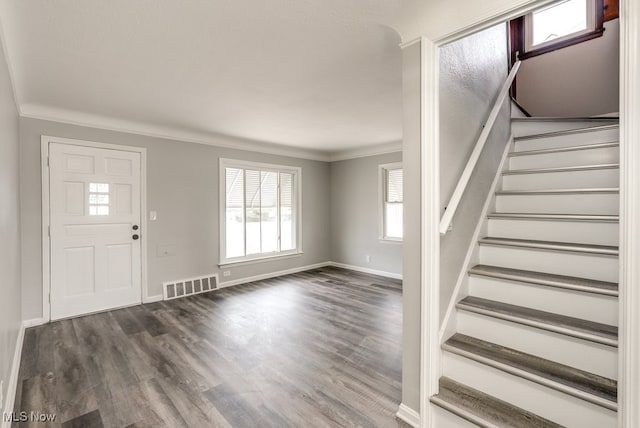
[135,237]
[135,227]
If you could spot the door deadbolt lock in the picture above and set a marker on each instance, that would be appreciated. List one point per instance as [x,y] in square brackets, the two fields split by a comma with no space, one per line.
[135,227]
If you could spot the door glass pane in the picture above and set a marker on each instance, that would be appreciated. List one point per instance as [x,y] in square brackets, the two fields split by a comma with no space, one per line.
[286,212]
[252,209]
[98,199]
[234,212]
[269,211]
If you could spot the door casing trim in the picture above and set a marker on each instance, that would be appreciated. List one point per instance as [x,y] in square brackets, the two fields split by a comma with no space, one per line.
[46,221]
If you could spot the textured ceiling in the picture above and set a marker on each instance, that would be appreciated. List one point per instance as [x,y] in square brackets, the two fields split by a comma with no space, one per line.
[322,75]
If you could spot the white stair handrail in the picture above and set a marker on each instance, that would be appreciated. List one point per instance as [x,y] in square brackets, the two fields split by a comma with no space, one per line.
[452,206]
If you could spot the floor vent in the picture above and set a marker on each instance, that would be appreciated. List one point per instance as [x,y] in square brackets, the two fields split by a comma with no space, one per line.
[189,287]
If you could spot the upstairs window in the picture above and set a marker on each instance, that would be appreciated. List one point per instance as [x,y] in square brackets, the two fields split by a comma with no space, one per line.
[559,25]
[391,219]
[260,217]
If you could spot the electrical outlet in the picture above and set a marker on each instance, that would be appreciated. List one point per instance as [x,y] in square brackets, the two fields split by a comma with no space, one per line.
[367,258]
[226,273]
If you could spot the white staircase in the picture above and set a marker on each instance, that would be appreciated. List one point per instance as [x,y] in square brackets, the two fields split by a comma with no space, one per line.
[536,335]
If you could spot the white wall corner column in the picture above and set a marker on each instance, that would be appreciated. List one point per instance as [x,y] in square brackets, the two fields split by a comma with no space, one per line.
[629,334]
[430,178]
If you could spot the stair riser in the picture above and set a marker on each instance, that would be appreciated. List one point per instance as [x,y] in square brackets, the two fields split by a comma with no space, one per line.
[564,159]
[590,203]
[587,306]
[554,405]
[532,128]
[559,231]
[563,180]
[599,267]
[444,419]
[578,353]
[606,136]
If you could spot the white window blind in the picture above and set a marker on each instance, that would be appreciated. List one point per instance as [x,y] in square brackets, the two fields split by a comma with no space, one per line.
[260,210]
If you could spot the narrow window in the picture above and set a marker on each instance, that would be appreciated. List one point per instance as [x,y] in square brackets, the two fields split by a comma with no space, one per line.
[391,221]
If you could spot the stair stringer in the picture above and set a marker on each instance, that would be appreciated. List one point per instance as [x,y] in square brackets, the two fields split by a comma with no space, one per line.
[449,323]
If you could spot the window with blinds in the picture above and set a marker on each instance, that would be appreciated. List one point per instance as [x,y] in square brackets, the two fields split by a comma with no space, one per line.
[260,210]
[391,223]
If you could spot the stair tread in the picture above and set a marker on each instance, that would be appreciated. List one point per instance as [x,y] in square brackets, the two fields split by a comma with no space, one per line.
[552,245]
[566,119]
[565,149]
[576,382]
[575,327]
[559,191]
[548,279]
[562,169]
[483,409]
[561,217]
[568,132]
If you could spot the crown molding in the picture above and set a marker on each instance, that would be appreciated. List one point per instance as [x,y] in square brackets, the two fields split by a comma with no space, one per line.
[34,111]
[363,152]
[411,42]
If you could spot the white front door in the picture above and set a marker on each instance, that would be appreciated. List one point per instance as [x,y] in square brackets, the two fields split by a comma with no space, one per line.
[95,229]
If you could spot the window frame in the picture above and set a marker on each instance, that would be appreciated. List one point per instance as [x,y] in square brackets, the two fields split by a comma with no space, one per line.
[522,32]
[382,201]
[296,211]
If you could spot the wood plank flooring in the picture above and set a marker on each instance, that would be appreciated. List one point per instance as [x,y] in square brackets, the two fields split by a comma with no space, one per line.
[320,348]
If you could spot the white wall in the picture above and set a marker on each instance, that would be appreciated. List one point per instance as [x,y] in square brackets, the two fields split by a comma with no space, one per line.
[579,80]
[412,255]
[355,215]
[472,71]
[10,299]
[182,183]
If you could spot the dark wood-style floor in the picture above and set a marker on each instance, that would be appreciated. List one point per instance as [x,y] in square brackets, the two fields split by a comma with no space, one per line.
[316,349]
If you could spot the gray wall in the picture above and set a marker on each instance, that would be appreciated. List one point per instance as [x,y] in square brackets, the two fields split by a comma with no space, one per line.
[182,186]
[355,216]
[10,315]
[472,71]
[580,80]
[412,257]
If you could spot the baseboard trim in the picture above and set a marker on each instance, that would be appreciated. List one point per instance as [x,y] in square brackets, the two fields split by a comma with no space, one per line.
[153,299]
[272,274]
[408,415]
[366,270]
[12,386]
[35,322]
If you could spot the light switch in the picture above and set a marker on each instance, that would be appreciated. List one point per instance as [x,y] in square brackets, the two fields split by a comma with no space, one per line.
[153,215]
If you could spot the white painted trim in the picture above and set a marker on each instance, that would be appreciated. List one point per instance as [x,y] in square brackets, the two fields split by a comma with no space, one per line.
[408,415]
[272,275]
[366,270]
[411,42]
[261,259]
[367,151]
[12,386]
[466,265]
[153,299]
[457,194]
[46,261]
[35,322]
[430,352]
[629,332]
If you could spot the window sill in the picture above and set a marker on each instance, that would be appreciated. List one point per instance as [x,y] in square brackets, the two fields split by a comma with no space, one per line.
[260,259]
[390,240]
[562,44]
